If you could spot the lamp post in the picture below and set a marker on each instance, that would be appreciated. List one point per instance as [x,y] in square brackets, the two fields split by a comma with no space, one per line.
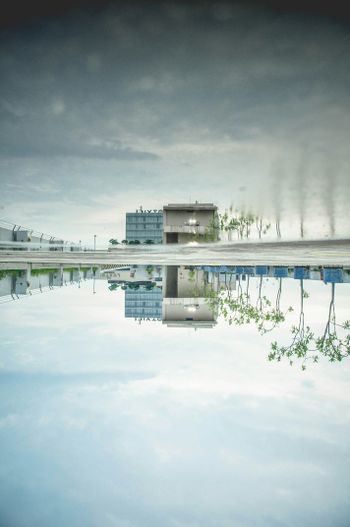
[93,282]
[95,236]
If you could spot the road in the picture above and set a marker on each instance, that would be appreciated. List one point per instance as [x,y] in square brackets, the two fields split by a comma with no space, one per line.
[304,252]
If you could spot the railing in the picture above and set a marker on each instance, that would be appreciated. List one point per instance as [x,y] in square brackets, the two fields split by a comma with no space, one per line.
[36,239]
[190,229]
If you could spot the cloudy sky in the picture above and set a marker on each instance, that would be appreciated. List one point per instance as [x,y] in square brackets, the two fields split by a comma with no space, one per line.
[104,109]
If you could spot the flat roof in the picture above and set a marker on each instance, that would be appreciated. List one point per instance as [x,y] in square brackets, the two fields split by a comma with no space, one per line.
[139,212]
[190,206]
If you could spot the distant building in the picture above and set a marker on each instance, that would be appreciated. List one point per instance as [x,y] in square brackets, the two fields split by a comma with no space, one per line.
[144,226]
[16,235]
[184,222]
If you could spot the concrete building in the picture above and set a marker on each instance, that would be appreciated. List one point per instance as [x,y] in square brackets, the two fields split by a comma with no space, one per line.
[185,222]
[184,299]
[144,226]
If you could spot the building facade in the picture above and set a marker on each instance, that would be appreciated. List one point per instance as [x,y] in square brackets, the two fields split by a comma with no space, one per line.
[144,226]
[185,222]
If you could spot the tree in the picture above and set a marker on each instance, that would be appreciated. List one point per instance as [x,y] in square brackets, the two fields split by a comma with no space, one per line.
[261,226]
[241,223]
[113,287]
[113,241]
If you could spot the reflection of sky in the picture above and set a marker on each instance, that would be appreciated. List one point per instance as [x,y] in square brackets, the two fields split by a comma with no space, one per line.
[103,112]
[107,422]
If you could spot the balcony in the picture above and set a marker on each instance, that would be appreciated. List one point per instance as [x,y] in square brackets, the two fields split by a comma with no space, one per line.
[185,229]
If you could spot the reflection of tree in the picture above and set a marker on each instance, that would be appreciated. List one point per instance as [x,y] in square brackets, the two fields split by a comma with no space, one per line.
[113,287]
[240,309]
[149,270]
[301,335]
[306,345]
[330,344]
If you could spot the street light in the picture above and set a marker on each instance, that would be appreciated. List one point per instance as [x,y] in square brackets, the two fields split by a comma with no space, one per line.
[95,236]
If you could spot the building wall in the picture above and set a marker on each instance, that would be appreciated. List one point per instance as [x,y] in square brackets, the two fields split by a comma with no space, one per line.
[178,312]
[187,237]
[144,226]
[6,285]
[6,235]
[181,217]
[179,227]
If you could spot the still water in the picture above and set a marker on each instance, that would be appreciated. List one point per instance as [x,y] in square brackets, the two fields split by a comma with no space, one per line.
[175,396]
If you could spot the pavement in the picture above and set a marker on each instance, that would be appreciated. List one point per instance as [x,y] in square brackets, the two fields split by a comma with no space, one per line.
[300,252]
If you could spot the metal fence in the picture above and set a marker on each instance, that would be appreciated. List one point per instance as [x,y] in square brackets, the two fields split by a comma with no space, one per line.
[16,236]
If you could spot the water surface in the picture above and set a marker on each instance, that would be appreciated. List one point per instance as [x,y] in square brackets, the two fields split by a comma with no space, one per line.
[111,416]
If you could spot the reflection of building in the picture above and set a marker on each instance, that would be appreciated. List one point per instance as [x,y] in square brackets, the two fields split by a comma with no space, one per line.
[133,274]
[143,289]
[220,280]
[192,221]
[184,299]
[144,225]
[143,303]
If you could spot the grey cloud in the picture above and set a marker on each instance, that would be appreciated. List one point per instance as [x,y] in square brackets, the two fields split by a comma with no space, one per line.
[73,150]
[174,83]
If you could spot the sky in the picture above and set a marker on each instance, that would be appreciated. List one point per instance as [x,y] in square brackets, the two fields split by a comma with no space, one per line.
[114,106]
[105,421]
